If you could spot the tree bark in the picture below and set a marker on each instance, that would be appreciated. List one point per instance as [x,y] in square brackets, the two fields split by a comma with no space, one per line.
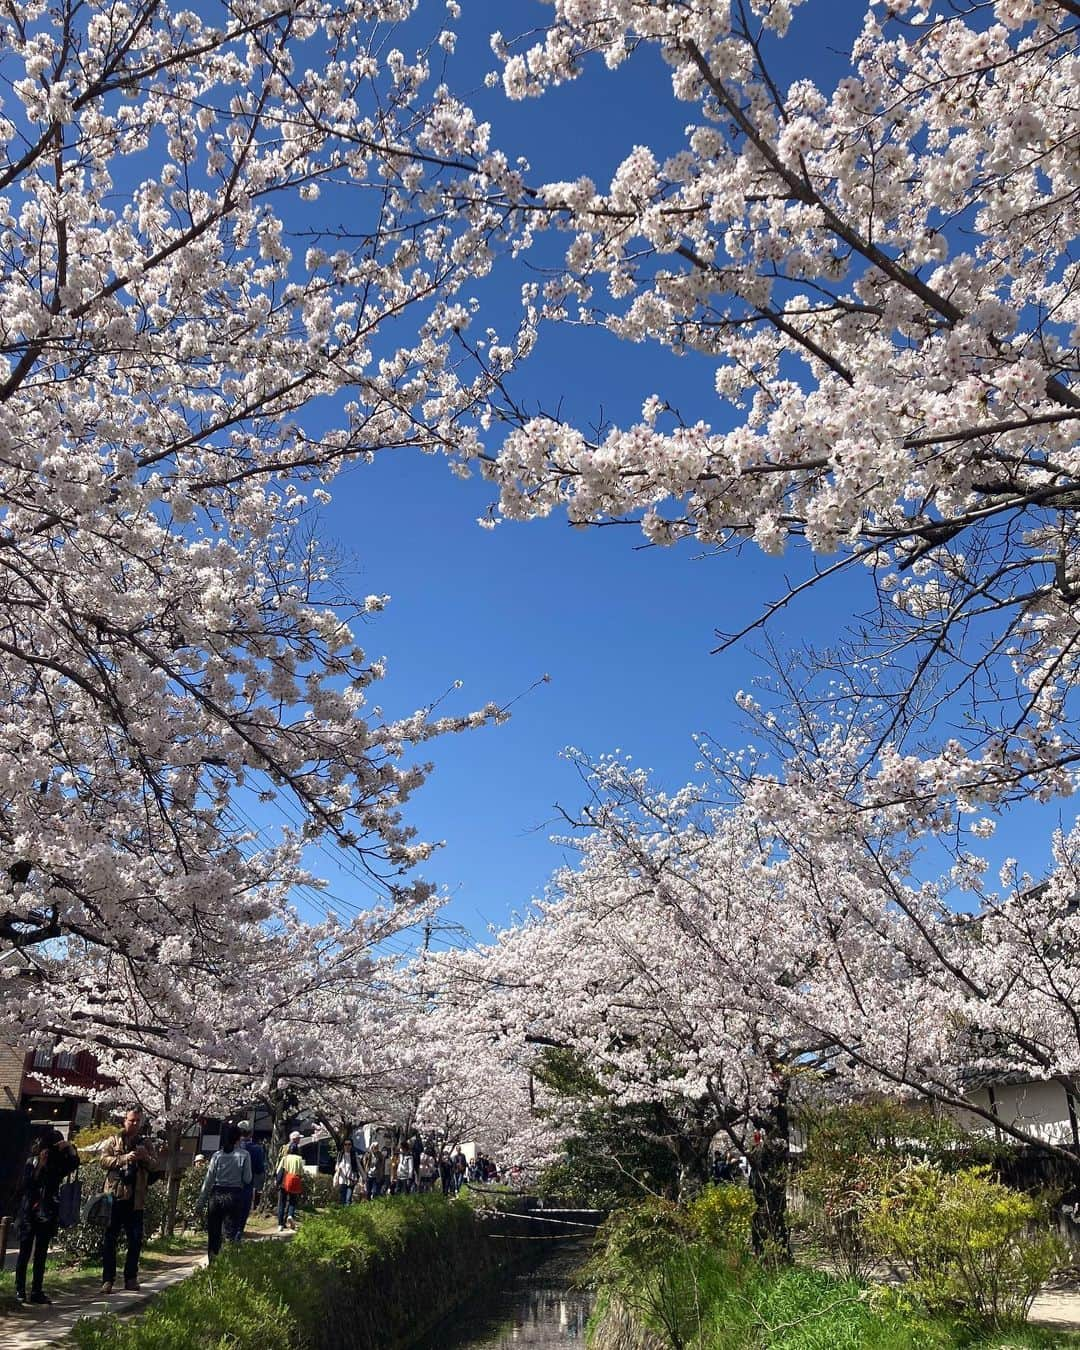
[173,1175]
[770,1169]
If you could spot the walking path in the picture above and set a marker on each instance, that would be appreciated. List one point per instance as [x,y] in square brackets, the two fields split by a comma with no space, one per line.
[32,1327]
[1057,1308]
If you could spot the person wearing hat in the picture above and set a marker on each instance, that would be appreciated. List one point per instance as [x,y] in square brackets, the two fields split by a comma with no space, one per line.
[290,1179]
[253,1190]
[53,1159]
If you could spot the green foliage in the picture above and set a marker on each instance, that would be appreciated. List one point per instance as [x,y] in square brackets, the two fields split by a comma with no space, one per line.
[891,1129]
[721,1218]
[94,1134]
[361,1276]
[753,1308]
[614,1154]
[968,1242]
[219,1308]
[319,1191]
[684,1273]
[667,1263]
[648,1259]
[850,1154]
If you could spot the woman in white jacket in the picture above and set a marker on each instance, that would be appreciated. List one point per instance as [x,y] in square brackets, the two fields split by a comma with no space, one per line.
[346,1173]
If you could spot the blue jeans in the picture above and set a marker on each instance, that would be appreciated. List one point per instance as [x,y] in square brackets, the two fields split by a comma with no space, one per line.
[345,1194]
[130,1220]
[286,1206]
[374,1187]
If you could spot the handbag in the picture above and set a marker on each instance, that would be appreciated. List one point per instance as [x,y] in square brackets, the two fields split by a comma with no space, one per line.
[293,1183]
[98,1211]
[69,1202]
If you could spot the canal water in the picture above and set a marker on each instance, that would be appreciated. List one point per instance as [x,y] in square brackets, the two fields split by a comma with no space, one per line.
[538,1306]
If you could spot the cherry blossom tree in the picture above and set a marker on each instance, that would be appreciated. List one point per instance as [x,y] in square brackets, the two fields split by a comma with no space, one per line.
[727,960]
[656,961]
[189,348]
[877,279]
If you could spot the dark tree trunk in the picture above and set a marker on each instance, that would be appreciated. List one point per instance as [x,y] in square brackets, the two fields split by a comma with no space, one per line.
[276,1103]
[770,1168]
[173,1175]
[692,1153]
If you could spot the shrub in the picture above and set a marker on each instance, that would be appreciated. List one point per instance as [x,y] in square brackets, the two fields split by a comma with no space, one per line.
[852,1150]
[665,1263]
[967,1242]
[94,1134]
[360,1276]
[319,1191]
[721,1217]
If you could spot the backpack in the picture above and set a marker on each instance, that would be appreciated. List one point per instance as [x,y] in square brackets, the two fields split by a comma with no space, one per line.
[98,1211]
[69,1202]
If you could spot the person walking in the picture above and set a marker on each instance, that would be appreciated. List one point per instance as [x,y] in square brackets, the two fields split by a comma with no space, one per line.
[428,1168]
[406,1177]
[227,1178]
[128,1159]
[374,1171]
[53,1159]
[290,1180]
[346,1173]
[253,1191]
[393,1164]
[460,1166]
[446,1173]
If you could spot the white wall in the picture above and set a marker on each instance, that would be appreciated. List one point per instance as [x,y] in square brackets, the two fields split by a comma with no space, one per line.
[1042,1109]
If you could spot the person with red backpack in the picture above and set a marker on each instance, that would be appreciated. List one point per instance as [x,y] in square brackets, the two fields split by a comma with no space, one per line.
[39,1209]
[290,1180]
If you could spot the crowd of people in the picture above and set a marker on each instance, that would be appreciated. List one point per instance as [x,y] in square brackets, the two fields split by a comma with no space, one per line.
[233,1185]
[404,1168]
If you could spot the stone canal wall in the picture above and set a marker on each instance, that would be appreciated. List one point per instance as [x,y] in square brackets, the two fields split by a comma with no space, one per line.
[613,1328]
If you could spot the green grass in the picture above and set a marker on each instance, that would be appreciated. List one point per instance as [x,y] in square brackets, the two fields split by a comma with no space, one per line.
[366,1276]
[64,1274]
[709,1306]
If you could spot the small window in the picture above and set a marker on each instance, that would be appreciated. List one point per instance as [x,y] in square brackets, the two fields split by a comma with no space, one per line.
[43,1059]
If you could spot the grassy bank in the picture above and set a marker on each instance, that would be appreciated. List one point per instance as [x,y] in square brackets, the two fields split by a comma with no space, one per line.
[683,1277]
[366,1277]
[705,1306]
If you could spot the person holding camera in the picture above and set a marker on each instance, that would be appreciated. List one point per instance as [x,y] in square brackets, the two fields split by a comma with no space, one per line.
[53,1159]
[128,1159]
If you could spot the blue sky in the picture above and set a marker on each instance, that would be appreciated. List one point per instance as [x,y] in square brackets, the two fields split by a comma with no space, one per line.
[624,632]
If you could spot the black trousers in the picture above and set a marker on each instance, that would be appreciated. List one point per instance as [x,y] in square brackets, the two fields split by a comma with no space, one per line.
[128,1220]
[34,1240]
[225,1211]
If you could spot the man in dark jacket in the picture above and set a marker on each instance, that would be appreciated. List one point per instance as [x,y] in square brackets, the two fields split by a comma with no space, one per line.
[53,1160]
[253,1191]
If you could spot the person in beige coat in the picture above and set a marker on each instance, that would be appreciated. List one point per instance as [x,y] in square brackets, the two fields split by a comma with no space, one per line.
[128,1159]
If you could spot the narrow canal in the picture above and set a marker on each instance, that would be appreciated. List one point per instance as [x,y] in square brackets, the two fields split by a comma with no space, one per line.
[538,1306]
